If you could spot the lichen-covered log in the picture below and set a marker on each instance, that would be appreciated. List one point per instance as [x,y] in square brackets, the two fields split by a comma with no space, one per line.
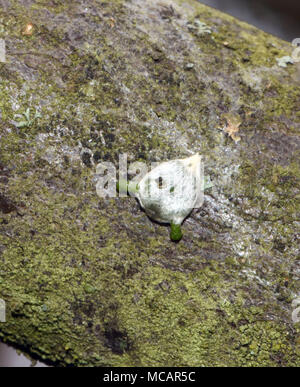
[91,281]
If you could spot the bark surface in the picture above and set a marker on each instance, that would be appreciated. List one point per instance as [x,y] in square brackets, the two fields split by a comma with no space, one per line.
[91,281]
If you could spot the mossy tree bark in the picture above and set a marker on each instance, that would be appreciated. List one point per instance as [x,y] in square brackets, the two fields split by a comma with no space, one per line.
[91,281]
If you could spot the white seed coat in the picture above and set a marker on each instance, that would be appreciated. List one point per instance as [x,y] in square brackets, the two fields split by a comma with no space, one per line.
[170,191]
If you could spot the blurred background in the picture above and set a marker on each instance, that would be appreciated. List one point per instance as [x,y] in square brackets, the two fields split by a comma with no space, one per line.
[280,18]
[277,17]
[10,358]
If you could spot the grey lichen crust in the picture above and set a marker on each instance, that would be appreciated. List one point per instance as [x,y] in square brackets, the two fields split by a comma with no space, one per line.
[90,281]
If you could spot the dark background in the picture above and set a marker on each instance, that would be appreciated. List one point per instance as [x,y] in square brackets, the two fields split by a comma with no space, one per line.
[280,18]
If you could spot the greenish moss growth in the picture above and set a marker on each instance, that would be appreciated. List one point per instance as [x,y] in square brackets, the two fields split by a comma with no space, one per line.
[175,233]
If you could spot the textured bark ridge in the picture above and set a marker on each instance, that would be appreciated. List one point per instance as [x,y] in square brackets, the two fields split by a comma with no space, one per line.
[90,281]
